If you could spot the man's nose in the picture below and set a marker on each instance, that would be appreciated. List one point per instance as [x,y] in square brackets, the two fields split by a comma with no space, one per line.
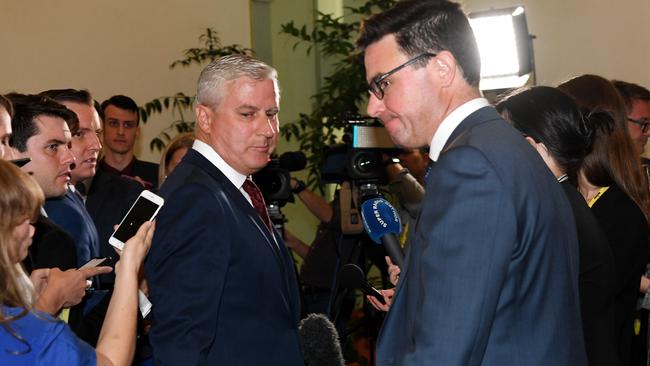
[95,144]
[375,106]
[67,158]
[270,127]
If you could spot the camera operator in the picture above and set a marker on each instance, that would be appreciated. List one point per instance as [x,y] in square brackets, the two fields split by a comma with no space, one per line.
[406,174]
[328,252]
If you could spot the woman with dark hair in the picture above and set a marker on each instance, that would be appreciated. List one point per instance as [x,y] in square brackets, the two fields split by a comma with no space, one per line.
[31,337]
[552,124]
[6,111]
[611,182]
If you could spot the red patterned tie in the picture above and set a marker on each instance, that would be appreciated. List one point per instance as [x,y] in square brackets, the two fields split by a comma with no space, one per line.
[258,202]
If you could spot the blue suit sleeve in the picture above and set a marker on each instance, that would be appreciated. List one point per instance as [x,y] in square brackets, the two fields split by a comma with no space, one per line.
[64,215]
[468,236]
[186,271]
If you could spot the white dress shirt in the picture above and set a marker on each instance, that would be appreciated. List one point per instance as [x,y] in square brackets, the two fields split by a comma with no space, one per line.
[449,124]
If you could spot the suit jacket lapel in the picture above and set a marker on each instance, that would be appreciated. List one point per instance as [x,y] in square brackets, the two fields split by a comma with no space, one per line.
[474,119]
[193,157]
[236,197]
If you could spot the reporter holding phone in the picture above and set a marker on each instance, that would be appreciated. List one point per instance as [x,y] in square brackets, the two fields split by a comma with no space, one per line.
[29,336]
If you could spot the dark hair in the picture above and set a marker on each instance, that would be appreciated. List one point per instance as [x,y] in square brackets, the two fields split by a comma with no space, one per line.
[121,102]
[98,108]
[631,92]
[595,93]
[597,167]
[551,117]
[69,95]
[7,105]
[27,108]
[422,26]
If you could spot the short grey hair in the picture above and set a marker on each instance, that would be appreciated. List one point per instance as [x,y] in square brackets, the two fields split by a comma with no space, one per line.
[214,77]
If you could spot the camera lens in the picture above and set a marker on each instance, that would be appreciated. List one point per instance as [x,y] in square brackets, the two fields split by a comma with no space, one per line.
[365,164]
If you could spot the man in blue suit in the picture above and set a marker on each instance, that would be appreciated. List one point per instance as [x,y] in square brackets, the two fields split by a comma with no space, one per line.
[491,272]
[220,278]
[69,211]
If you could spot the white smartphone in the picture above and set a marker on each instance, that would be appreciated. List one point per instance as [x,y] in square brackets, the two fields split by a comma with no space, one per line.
[144,209]
[95,262]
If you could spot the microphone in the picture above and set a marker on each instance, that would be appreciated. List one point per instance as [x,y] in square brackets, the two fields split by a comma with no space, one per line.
[320,341]
[382,224]
[351,276]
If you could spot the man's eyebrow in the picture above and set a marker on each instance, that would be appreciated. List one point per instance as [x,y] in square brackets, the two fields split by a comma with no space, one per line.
[56,142]
[248,106]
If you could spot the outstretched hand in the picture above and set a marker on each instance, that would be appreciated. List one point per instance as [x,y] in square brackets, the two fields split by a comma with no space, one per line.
[57,289]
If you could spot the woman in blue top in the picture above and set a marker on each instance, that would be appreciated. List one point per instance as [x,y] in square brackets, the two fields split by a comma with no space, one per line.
[29,337]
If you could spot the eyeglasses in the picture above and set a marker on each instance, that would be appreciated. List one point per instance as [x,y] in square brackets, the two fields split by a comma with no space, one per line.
[644,123]
[379,83]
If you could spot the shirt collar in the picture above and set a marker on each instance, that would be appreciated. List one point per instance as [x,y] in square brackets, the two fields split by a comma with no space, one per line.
[449,124]
[209,153]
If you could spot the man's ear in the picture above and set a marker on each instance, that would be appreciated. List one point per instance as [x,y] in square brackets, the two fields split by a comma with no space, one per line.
[531,140]
[539,146]
[15,154]
[446,67]
[203,117]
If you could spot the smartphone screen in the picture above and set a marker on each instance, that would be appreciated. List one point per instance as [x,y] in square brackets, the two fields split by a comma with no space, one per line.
[142,211]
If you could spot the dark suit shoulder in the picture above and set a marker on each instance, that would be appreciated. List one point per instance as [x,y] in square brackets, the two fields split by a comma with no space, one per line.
[51,247]
[146,170]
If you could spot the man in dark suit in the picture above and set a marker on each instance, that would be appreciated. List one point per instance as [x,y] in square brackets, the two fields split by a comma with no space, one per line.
[221,280]
[121,118]
[89,214]
[42,132]
[69,211]
[491,271]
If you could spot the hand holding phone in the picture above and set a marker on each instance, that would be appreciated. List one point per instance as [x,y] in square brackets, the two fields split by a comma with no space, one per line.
[143,209]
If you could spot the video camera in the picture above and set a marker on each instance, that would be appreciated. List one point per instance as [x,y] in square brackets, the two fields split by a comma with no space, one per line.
[356,165]
[359,158]
[274,182]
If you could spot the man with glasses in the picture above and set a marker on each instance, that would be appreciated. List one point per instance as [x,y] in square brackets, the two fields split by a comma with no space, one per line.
[637,104]
[491,272]
[121,128]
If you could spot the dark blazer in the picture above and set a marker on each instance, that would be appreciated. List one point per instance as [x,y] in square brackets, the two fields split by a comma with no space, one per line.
[51,247]
[223,291]
[69,212]
[145,170]
[108,200]
[491,274]
[627,232]
[596,283]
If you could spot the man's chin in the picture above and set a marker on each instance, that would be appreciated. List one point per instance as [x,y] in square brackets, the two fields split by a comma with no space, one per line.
[77,178]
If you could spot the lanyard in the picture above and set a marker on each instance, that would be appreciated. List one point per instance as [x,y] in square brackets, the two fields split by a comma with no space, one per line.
[597,196]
